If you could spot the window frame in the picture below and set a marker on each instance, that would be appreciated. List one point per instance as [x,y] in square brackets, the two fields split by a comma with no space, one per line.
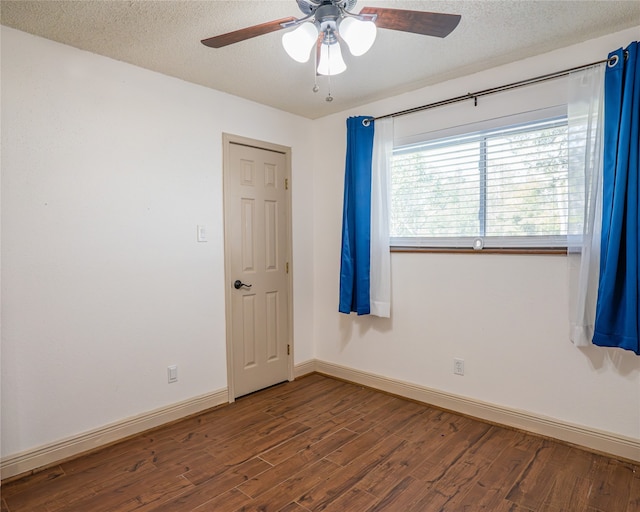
[553,244]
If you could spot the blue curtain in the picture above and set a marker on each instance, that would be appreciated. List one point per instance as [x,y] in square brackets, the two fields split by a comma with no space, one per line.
[356,219]
[617,319]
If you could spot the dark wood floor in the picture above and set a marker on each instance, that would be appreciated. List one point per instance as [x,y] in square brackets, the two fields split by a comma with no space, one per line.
[322,444]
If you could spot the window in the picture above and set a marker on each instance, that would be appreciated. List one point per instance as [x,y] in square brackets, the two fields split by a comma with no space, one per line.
[498,188]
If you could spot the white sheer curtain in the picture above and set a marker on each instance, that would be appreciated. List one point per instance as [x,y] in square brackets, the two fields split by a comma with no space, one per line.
[585,119]
[380,285]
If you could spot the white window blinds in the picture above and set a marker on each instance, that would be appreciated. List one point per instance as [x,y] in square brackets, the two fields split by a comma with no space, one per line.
[504,187]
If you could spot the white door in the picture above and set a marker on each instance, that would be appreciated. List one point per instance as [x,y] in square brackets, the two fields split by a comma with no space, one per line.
[257,266]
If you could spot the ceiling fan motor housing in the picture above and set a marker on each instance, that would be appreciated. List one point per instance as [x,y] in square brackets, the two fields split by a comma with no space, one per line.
[326,20]
[310,6]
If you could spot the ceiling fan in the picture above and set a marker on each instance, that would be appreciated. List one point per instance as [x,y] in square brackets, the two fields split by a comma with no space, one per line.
[328,23]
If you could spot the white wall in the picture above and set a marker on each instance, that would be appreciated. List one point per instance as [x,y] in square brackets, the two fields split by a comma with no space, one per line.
[505,315]
[106,171]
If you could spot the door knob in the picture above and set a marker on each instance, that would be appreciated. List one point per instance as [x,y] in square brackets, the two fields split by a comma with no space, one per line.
[239,284]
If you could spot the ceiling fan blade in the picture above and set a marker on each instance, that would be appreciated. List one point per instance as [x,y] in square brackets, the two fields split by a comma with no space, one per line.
[245,33]
[419,22]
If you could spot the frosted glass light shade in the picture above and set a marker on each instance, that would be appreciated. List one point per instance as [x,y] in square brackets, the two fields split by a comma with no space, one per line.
[359,35]
[298,42]
[331,61]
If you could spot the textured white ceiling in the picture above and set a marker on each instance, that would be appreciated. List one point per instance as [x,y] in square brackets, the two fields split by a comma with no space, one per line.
[164,36]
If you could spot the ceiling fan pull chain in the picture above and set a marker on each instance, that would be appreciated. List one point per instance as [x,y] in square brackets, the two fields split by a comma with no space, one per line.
[329,98]
[315,72]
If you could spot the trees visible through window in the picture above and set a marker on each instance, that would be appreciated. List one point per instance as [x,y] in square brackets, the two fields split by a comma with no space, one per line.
[504,187]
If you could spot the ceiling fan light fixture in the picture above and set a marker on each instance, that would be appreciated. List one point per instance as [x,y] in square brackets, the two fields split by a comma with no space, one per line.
[358,34]
[298,42]
[331,61]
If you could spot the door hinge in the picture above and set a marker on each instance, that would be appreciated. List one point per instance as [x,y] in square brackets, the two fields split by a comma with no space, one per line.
[286,267]
[288,350]
[286,183]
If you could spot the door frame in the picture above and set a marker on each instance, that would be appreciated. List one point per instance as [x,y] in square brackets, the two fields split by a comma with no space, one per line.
[227,140]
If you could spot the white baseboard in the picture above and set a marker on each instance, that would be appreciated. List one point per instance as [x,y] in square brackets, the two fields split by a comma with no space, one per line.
[590,438]
[51,453]
[302,369]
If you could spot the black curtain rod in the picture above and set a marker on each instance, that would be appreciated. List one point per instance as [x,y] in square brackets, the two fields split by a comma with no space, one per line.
[475,95]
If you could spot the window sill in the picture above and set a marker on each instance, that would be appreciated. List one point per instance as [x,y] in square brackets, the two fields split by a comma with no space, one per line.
[556,251]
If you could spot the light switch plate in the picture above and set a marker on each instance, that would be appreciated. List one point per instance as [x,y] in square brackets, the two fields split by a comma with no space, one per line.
[202,233]
[172,373]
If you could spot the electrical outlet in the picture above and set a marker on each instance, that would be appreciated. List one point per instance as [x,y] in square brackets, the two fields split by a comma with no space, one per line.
[172,373]
[458,366]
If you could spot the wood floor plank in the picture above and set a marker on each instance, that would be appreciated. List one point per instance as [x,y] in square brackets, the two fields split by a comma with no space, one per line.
[304,458]
[355,395]
[452,486]
[568,494]
[195,466]
[508,506]
[281,391]
[17,486]
[313,416]
[491,488]
[528,442]
[327,427]
[425,428]
[78,485]
[292,488]
[349,476]
[113,457]
[203,468]
[330,444]
[215,487]
[320,392]
[612,486]
[403,496]
[275,475]
[415,428]
[443,428]
[48,498]
[449,449]
[634,492]
[293,507]
[373,402]
[400,464]
[320,444]
[408,412]
[153,501]
[354,499]
[571,486]
[180,428]
[346,453]
[137,495]
[238,452]
[234,425]
[169,452]
[225,502]
[377,415]
[532,488]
